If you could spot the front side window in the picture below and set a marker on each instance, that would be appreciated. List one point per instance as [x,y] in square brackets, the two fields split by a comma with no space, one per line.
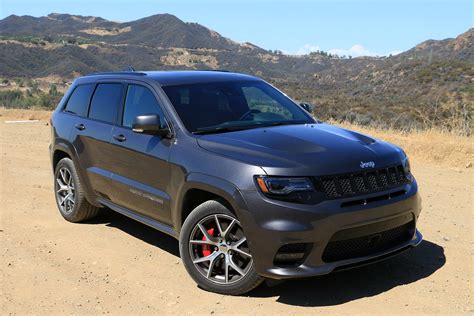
[233,105]
[140,101]
[105,102]
[79,100]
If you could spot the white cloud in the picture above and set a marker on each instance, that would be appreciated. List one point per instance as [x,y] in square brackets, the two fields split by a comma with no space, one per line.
[304,50]
[356,50]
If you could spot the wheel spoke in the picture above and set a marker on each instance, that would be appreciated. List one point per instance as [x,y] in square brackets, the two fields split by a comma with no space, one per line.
[221,232]
[62,187]
[240,242]
[211,257]
[242,252]
[226,268]
[235,267]
[203,242]
[212,263]
[227,230]
[204,232]
[63,175]
[71,198]
[65,199]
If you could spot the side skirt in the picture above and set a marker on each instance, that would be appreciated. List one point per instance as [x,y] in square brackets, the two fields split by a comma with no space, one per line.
[140,218]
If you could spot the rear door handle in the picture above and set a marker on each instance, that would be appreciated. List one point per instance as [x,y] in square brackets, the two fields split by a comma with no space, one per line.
[80,127]
[120,138]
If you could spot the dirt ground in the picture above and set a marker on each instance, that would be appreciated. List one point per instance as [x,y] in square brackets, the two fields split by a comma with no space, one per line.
[117,266]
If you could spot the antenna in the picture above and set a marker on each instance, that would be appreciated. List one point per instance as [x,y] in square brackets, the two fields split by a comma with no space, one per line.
[130,68]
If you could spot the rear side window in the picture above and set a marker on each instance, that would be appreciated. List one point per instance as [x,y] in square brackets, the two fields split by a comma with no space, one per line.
[140,101]
[105,102]
[79,100]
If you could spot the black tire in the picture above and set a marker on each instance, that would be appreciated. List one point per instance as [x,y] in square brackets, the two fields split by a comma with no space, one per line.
[76,208]
[208,209]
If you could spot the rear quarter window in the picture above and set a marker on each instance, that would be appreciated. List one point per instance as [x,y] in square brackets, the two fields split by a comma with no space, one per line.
[105,102]
[78,102]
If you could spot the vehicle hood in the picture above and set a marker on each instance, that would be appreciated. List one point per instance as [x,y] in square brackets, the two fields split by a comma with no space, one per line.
[303,150]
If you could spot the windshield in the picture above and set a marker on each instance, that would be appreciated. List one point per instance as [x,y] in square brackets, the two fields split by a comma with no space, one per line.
[226,106]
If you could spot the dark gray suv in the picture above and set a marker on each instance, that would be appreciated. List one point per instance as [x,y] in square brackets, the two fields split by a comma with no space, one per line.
[251,185]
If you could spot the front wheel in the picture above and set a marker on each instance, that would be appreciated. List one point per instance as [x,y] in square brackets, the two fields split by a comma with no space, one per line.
[215,251]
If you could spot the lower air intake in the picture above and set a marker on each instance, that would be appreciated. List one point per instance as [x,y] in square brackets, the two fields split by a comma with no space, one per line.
[367,245]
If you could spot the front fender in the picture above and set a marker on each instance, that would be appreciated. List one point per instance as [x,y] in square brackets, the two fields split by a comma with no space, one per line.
[223,188]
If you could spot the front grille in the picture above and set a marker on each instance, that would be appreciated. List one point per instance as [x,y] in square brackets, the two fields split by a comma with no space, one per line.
[368,244]
[359,183]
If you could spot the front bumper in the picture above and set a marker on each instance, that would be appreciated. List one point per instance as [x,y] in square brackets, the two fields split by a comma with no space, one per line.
[270,224]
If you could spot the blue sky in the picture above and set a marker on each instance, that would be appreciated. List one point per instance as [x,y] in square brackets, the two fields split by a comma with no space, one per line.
[299,26]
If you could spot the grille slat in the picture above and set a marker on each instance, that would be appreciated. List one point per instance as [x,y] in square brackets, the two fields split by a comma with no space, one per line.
[362,182]
[346,185]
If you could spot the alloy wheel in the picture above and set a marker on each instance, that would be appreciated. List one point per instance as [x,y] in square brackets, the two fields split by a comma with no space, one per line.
[65,190]
[219,249]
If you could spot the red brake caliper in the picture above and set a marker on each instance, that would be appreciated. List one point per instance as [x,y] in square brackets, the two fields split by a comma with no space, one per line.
[206,249]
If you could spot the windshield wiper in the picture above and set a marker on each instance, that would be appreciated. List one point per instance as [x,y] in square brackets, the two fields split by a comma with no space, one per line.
[223,129]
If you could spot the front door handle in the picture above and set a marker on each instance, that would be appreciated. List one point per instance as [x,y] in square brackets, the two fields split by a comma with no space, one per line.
[120,138]
[80,127]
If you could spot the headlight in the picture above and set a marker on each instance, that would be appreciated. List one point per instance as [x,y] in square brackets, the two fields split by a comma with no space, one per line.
[407,169]
[284,186]
[296,190]
[406,166]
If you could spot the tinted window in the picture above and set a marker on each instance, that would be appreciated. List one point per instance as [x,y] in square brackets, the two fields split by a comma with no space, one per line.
[79,100]
[259,101]
[139,101]
[105,102]
[233,104]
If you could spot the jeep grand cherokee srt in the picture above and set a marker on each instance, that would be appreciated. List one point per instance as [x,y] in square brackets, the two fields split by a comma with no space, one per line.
[248,181]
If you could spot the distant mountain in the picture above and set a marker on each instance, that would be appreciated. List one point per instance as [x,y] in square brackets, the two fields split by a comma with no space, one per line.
[427,85]
[461,48]
[161,30]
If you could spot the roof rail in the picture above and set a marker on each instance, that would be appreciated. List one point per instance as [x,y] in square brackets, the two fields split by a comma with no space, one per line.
[131,73]
[216,70]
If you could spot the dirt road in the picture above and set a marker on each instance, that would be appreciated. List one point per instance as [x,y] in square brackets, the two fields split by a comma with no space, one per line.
[117,266]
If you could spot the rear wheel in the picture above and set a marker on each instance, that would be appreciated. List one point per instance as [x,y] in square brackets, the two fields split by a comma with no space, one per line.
[69,193]
[215,251]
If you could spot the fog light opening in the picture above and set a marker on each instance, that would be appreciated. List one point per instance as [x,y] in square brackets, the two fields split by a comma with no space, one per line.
[291,255]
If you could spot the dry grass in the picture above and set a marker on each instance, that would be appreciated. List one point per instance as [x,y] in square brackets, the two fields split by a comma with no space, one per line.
[430,146]
[24,114]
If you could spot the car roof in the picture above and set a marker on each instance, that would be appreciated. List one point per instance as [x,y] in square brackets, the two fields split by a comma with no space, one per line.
[180,77]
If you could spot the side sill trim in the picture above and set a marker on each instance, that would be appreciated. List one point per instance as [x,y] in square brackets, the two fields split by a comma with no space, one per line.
[140,218]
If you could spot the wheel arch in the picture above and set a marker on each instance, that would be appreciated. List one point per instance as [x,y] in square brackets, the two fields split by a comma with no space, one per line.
[58,155]
[61,150]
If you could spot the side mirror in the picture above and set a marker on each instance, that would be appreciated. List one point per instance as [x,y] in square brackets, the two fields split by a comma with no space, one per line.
[307,106]
[149,124]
